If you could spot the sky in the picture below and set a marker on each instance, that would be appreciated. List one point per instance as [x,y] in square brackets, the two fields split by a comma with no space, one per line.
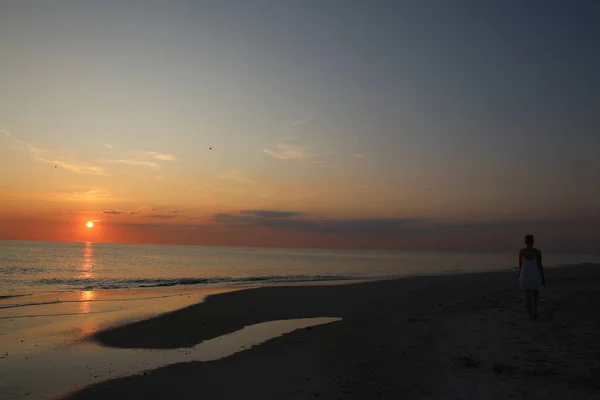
[439,125]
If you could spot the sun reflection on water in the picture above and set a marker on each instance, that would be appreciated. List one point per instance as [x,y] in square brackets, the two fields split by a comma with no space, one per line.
[88,324]
[86,271]
[87,265]
[87,295]
[85,301]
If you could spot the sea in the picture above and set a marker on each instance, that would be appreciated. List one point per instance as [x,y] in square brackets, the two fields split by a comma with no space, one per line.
[31,268]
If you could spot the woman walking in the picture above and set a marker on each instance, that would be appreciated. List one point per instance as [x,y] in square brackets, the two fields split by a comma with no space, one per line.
[531,275]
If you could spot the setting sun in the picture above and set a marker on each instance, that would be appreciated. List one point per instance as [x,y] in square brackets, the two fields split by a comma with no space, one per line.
[90,224]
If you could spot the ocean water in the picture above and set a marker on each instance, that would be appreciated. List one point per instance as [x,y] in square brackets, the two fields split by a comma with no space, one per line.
[29,268]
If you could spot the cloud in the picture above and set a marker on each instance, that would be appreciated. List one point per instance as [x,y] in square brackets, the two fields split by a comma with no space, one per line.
[301,121]
[34,150]
[287,151]
[78,168]
[288,220]
[115,212]
[137,163]
[155,212]
[161,156]
[107,145]
[290,148]
[147,163]
[90,195]
[271,214]
[358,155]
[6,133]
[299,153]
[236,176]
[399,228]
[290,127]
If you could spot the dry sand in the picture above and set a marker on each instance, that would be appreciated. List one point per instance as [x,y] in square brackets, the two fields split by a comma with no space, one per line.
[446,337]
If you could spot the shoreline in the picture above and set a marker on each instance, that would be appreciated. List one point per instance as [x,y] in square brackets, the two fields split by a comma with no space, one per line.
[6,301]
[434,336]
[456,336]
[253,305]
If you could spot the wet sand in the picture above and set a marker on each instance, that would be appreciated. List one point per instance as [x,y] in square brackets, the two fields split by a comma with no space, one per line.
[446,337]
[44,339]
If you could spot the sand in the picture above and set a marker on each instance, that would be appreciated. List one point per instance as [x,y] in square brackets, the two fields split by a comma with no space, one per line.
[445,337]
[44,339]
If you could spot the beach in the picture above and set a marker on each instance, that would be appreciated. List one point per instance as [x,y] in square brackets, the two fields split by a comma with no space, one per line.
[464,336]
[299,199]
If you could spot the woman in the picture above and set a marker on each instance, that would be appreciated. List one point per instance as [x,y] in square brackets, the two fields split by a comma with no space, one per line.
[531,275]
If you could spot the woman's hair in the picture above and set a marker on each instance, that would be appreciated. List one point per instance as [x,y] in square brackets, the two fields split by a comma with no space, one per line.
[529,240]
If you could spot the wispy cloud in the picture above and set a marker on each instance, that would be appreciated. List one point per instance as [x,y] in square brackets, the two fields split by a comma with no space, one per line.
[137,163]
[161,216]
[289,220]
[6,133]
[89,195]
[161,156]
[77,168]
[299,153]
[236,176]
[358,155]
[291,125]
[107,145]
[271,213]
[289,129]
[154,212]
[34,150]
[39,154]
[115,212]
[287,151]
[290,147]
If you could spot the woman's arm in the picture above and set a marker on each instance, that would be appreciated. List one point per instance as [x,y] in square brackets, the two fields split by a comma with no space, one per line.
[520,259]
[539,263]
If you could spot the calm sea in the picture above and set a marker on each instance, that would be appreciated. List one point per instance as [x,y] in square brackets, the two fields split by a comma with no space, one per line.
[28,268]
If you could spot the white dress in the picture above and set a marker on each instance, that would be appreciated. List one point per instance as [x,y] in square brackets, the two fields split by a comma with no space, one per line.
[530,277]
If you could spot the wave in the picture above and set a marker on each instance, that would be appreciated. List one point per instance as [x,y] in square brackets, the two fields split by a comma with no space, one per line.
[11,296]
[57,285]
[59,301]
[132,283]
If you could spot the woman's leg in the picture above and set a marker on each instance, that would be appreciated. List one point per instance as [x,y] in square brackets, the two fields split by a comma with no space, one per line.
[536,298]
[528,302]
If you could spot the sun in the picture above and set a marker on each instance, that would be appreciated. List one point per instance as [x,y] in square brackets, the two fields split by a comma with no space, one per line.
[90,224]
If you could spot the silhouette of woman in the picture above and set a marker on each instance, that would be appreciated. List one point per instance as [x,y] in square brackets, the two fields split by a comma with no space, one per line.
[531,275]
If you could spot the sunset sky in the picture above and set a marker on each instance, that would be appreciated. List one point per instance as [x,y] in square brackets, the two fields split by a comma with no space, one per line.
[396,124]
